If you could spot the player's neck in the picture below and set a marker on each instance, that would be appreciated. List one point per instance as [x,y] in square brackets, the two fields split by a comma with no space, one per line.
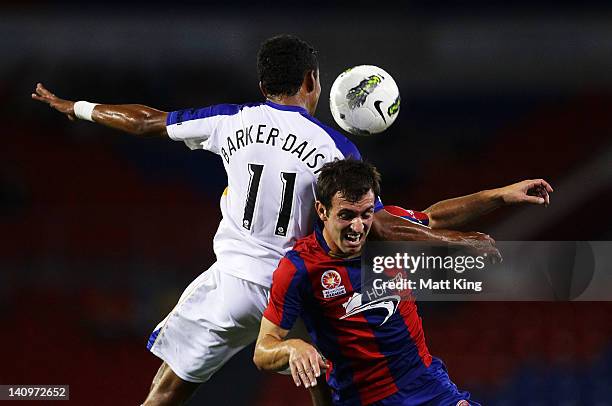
[294,100]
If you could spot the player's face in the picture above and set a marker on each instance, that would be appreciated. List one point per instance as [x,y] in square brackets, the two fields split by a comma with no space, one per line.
[347,224]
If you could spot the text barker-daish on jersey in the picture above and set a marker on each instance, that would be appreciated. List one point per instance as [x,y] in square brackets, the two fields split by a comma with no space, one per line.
[290,143]
[272,154]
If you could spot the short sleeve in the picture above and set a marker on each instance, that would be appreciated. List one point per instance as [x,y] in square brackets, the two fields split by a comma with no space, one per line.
[285,302]
[410,215]
[345,148]
[198,128]
[348,149]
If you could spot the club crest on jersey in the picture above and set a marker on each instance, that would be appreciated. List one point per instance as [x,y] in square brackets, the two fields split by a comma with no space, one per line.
[331,282]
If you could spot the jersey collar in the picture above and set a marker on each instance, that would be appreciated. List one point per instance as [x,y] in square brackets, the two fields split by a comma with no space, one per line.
[318,229]
[285,107]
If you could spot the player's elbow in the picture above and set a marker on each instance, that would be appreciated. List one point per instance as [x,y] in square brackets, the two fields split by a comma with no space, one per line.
[136,124]
[146,126]
[147,123]
[258,356]
[258,359]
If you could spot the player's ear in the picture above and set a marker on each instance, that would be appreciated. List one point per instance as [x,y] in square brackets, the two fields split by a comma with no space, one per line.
[310,81]
[262,89]
[321,211]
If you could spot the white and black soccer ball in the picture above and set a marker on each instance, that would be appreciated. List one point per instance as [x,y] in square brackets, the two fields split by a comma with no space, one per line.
[364,100]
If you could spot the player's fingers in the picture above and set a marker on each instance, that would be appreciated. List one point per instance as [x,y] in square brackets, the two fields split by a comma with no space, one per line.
[301,374]
[318,364]
[547,186]
[43,97]
[534,200]
[539,191]
[295,374]
[314,365]
[486,237]
[478,235]
[39,98]
[40,89]
[495,256]
[541,183]
[322,363]
[303,378]
[45,93]
[545,196]
[308,376]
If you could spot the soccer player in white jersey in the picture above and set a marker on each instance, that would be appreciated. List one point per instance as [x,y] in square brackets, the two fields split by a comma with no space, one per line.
[272,152]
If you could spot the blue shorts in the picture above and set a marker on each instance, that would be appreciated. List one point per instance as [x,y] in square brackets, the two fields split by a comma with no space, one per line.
[436,390]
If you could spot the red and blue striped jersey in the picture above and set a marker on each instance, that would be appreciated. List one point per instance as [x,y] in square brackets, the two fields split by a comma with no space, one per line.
[374,347]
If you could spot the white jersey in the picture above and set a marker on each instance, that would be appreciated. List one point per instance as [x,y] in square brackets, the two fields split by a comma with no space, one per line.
[272,155]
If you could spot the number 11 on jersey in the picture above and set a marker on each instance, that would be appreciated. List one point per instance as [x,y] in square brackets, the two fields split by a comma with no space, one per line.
[284,213]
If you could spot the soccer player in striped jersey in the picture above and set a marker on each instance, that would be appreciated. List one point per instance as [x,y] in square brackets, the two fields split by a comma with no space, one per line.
[376,351]
[272,152]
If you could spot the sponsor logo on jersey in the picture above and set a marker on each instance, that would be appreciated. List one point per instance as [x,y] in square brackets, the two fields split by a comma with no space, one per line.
[463,403]
[331,281]
[354,306]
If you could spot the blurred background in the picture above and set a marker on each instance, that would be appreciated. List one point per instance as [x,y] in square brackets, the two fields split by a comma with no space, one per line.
[101,231]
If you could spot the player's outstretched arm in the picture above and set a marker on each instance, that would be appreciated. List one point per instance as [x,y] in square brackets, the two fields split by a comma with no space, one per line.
[273,353]
[132,118]
[457,212]
[387,227]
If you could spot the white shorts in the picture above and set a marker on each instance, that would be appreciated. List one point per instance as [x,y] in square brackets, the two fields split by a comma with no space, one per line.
[216,317]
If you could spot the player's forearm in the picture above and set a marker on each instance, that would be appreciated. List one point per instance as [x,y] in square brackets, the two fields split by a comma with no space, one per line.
[387,227]
[457,212]
[272,354]
[131,118]
[399,229]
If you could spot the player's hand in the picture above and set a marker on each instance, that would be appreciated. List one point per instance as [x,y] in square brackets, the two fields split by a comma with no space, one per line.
[63,106]
[533,191]
[305,363]
[482,244]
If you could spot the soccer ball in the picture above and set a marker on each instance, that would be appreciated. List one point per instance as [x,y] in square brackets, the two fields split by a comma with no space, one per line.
[364,100]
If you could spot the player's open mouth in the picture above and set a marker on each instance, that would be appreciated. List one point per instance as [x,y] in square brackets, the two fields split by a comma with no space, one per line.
[353,238]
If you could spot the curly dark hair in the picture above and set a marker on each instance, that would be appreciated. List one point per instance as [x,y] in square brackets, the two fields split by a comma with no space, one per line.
[350,177]
[282,63]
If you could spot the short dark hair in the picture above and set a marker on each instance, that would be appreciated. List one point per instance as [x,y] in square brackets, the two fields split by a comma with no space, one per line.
[350,177]
[282,63]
